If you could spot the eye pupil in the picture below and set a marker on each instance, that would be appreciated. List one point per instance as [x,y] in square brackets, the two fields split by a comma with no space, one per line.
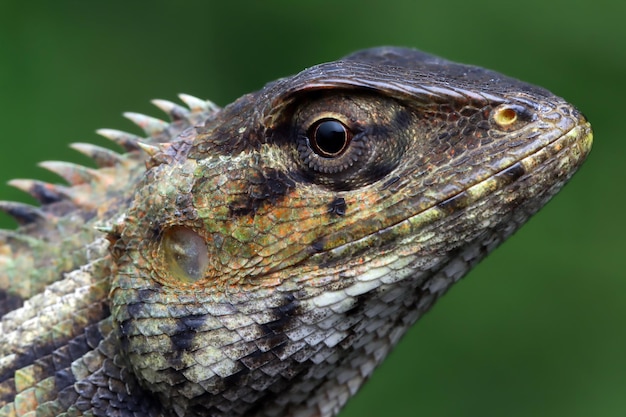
[329,138]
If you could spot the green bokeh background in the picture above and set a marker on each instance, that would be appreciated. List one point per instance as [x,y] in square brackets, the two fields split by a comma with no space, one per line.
[535,330]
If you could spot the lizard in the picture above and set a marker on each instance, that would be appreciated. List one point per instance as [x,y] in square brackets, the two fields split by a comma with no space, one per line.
[262,259]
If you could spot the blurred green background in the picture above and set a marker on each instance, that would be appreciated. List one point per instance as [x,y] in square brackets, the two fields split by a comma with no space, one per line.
[538,328]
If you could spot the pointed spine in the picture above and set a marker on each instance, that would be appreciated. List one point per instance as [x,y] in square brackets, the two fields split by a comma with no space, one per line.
[74,174]
[22,213]
[197,105]
[150,125]
[105,228]
[157,154]
[173,110]
[126,140]
[103,157]
[150,150]
[44,192]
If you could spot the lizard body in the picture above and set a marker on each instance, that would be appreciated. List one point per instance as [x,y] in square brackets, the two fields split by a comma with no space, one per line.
[274,251]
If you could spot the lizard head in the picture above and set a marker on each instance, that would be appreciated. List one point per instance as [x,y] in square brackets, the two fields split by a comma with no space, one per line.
[287,243]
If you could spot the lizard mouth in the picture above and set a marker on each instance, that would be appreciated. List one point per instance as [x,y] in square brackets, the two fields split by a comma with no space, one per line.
[558,160]
[530,181]
[524,185]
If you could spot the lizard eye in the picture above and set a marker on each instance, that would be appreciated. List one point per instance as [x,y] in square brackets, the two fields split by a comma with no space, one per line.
[329,138]
[344,140]
[329,146]
[184,253]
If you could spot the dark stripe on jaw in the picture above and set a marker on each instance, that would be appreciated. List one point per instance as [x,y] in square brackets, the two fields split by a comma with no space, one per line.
[360,303]
[454,203]
[285,319]
[504,178]
[285,316]
[183,337]
[186,330]
[510,174]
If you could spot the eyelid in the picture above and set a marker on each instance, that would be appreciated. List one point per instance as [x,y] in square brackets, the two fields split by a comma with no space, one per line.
[317,117]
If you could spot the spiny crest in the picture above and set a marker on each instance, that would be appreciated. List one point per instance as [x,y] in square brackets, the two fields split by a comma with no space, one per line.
[103,157]
[85,182]
[74,174]
[52,236]
[23,213]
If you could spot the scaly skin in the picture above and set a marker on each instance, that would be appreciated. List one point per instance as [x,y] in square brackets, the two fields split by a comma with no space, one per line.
[274,251]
